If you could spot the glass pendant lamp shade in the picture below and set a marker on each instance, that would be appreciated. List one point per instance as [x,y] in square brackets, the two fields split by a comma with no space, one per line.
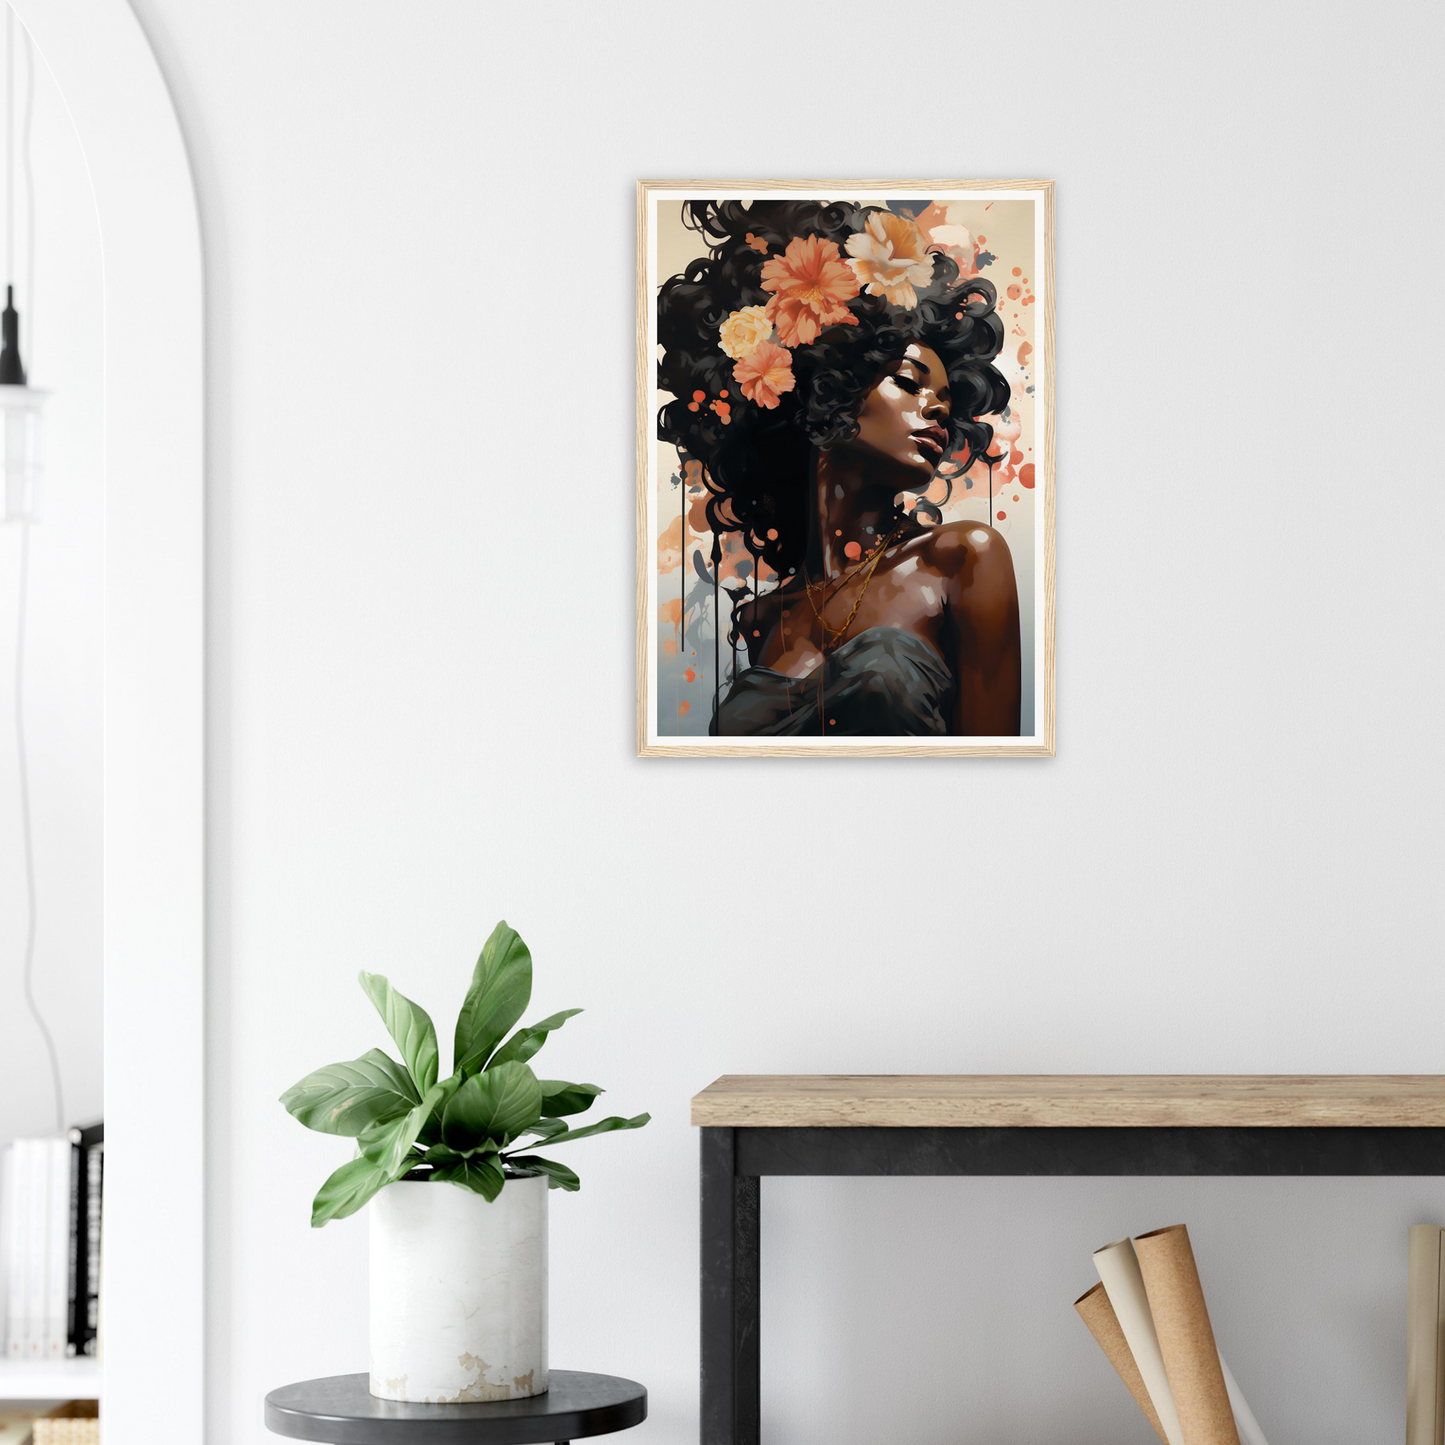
[20,406]
[20,422]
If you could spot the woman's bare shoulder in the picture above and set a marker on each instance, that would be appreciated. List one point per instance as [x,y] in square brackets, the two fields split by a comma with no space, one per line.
[958,547]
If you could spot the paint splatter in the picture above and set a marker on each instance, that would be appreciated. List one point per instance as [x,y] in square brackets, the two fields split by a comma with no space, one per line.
[1026,475]
[683,708]
[691,674]
[669,546]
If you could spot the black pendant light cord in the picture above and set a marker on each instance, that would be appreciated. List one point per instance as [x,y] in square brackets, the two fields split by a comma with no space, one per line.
[26,834]
[12,369]
[12,373]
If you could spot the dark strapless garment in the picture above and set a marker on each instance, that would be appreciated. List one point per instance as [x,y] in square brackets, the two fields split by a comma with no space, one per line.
[882,683]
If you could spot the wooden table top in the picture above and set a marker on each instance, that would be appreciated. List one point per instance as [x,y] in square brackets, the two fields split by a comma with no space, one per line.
[1071,1100]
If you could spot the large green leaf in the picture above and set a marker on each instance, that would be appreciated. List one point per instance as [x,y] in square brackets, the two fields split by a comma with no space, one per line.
[546,1129]
[352,1098]
[525,1042]
[389,1146]
[559,1176]
[481,1174]
[347,1190]
[440,1154]
[409,1024]
[431,1130]
[498,1104]
[560,1097]
[603,1126]
[501,989]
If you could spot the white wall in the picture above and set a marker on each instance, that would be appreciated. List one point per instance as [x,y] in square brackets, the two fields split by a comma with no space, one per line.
[420,246]
[61,341]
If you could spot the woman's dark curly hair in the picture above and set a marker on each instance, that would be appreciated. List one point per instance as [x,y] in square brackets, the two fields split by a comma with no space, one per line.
[754,460]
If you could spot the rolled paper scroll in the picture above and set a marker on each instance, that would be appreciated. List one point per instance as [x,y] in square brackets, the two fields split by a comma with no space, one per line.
[1096,1311]
[1244,1421]
[1119,1270]
[1186,1338]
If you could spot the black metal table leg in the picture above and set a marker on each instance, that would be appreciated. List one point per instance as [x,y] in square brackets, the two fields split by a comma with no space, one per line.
[730,1295]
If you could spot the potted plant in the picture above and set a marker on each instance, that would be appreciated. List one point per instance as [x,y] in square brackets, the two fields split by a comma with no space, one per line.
[458,1275]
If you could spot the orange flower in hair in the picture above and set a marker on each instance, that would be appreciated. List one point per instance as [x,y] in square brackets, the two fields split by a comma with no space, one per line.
[764,374]
[812,285]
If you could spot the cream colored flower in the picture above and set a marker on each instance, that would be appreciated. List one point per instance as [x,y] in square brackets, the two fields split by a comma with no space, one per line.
[743,330]
[890,257]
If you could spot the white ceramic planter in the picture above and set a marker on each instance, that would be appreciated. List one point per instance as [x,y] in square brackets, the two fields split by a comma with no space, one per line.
[459,1292]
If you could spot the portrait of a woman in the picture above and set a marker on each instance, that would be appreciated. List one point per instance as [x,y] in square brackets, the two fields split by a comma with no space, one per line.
[832,377]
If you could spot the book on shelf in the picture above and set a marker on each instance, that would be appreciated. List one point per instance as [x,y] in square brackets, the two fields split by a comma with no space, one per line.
[12,1237]
[51,1204]
[88,1143]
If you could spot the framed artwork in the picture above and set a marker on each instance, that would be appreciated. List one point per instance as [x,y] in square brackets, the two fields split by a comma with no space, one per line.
[845,471]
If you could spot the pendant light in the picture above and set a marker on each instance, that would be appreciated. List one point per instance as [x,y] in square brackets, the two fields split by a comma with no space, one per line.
[20,403]
[20,420]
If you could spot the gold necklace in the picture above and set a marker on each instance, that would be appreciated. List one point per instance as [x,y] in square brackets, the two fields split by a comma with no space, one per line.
[872,561]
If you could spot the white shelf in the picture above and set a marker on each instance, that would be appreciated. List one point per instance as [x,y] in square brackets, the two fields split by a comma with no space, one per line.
[77,1379]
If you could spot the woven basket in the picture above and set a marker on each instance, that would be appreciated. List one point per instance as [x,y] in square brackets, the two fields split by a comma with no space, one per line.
[66,1432]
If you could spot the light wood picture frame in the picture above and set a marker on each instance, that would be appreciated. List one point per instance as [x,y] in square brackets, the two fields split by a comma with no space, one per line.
[837,379]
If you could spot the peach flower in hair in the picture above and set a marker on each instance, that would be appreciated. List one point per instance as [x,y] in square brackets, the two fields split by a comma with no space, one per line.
[764,374]
[744,330]
[890,257]
[812,285]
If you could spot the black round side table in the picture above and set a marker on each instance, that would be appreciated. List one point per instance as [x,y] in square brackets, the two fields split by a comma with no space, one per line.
[341,1410]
